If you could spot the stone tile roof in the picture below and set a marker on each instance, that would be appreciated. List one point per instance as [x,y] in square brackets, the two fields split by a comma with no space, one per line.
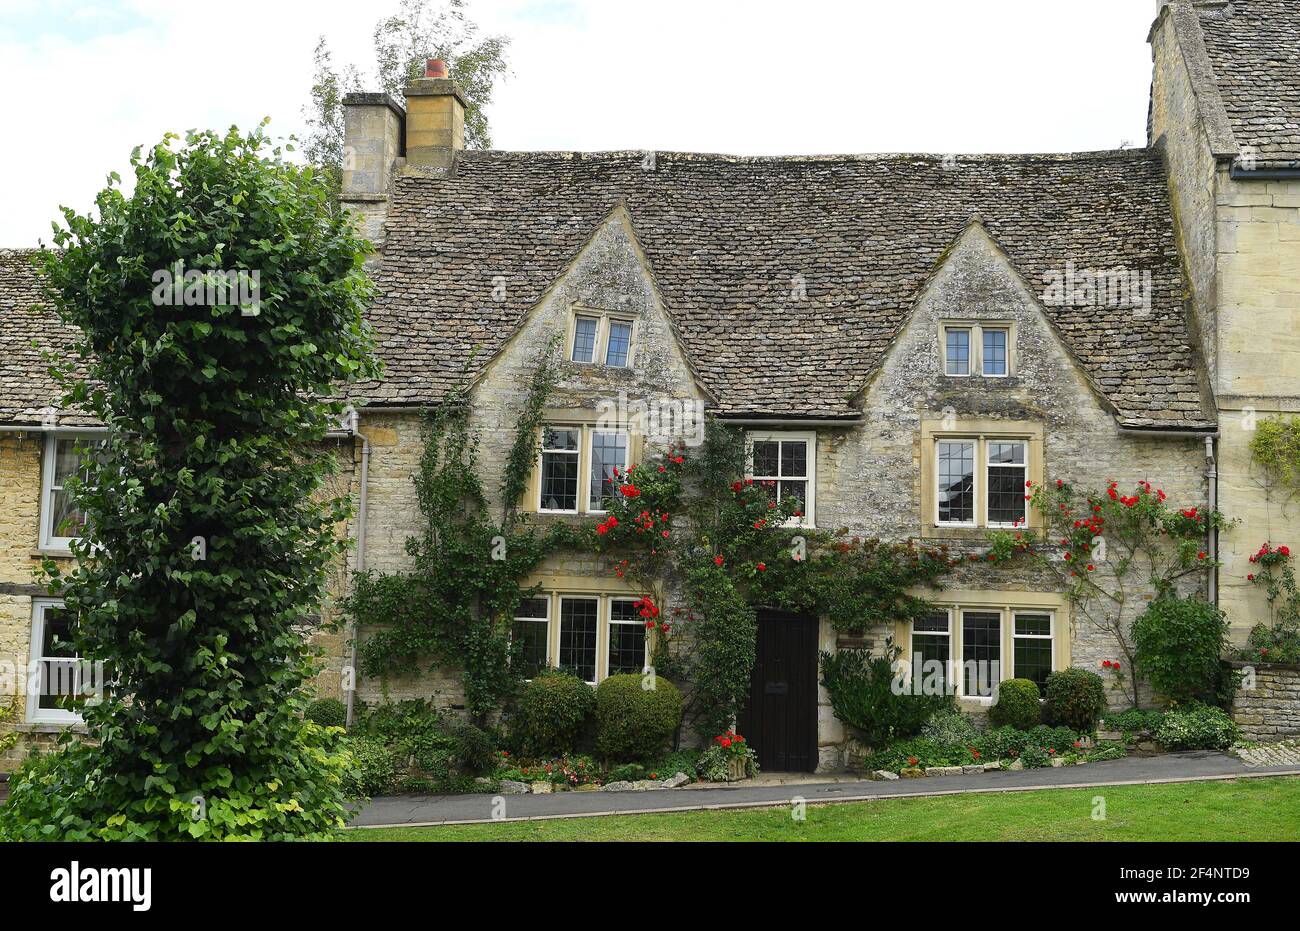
[725,236]
[1254,49]
[27,328]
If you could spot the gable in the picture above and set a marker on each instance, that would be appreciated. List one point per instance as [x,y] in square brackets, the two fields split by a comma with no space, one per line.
[976,286]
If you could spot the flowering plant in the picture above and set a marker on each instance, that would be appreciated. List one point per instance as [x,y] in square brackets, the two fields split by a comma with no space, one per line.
[732,744]
[1278,641]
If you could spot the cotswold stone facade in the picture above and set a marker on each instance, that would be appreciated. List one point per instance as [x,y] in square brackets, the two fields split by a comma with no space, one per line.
[1271,710]
[882,316]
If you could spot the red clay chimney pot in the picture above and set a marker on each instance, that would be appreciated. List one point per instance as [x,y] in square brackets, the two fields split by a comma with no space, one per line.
[435,68]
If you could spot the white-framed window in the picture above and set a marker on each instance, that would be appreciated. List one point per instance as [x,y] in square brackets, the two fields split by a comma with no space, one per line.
[955,475]
[1033,646]
[592,633]
[55,687]
[789,461]
[969,348]
[579,635]
[995,351]
[608,457]
[980,481]
[561,458]
[626,649]
[61,522]
[602,337]
[976,646]
[580,468]
[531,630]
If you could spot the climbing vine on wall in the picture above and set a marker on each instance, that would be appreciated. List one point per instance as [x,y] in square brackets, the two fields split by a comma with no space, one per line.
[1275,447]
[689,526]
[454,606]
[1109,552]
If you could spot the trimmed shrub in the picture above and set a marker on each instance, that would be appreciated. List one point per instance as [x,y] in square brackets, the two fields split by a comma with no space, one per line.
[474,752]
[1133,721]
[372,768]
[863,697]
[1196,727]
[636,723]
[551,712]
[950,728]
[1179,642]
[1017,705]
[1076,698]
[327,712]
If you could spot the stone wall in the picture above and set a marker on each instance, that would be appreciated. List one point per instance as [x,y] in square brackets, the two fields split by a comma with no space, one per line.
[1270,711]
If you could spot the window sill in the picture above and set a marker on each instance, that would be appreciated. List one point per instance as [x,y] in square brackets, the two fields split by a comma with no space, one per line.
[50,727]
[51,553]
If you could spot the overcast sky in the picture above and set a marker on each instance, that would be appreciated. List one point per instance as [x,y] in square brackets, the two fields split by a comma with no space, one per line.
[86,81]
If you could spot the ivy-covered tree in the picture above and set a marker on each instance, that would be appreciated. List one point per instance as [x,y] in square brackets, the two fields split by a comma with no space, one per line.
[218,303]
[418,31]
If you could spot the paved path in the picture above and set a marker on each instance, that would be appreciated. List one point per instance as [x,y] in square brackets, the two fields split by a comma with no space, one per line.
[412,810]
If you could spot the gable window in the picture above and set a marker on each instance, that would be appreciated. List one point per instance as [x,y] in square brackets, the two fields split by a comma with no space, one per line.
[788,461]
[977,348]
[976,473]
[626,637]
[956,351]
[61,521]
[601,336]
[531,630]
[584,338]
[60,690]
[994,355]
[579,623]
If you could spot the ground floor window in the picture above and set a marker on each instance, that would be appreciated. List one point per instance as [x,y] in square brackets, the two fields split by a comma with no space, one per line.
[970,648]
[592,635]
[56,687]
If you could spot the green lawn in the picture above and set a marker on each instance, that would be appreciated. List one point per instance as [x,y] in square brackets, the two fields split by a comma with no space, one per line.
[1247,810]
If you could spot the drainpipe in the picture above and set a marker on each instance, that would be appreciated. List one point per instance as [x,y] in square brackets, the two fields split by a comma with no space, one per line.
[353,420]
[1212,544]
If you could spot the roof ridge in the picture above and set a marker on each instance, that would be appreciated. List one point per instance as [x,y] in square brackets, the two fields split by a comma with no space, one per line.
[618,154]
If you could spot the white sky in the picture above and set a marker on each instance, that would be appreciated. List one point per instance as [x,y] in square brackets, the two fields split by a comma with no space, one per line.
[85,82]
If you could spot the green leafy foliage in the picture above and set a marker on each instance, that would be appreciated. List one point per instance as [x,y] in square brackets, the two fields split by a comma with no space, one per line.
[551,712]
[1133,721]
[1017,706]
[454,607]
[475,751]
[327,712]
[1179,642]
[207,541]
[372,768]
[1196,727]
[1110,551]
[634,722]
[950,728]
[1075,698]
[863,696]
[1276,447]
[1279,640]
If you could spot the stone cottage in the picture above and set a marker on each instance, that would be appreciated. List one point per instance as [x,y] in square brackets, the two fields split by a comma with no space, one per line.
[902,337]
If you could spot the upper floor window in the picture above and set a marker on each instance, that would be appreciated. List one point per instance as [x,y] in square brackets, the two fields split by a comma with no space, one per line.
[61,521]
[975,473]
[788,461]
[601,337]
[984,348]
[581,468]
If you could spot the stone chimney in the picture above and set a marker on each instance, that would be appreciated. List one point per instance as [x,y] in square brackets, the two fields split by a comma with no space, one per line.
[374,128]
[435,118]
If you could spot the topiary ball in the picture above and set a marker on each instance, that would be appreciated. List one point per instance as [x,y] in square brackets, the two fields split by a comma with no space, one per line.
[1075,698]
[327,712]
[633,721]
[1017,705]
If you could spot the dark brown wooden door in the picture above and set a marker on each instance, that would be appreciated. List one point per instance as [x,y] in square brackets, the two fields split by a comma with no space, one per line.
[780,722]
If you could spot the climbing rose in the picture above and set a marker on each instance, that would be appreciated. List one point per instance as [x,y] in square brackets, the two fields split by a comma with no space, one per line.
[717,560]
